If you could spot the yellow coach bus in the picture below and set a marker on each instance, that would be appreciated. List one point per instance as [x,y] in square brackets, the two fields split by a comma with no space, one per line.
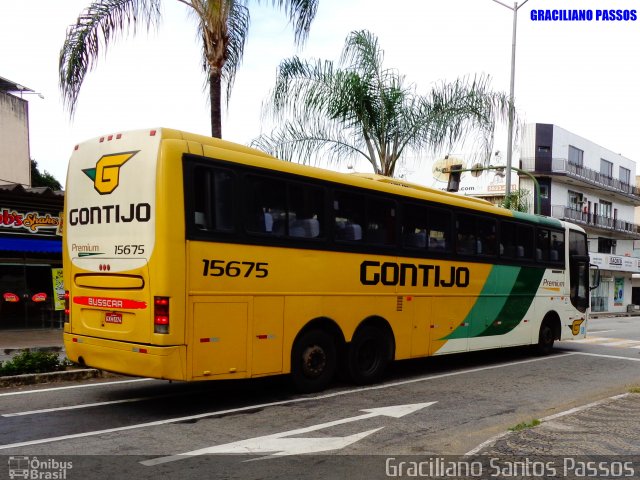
[192,258]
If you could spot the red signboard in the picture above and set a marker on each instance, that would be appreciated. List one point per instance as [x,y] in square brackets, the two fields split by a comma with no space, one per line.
[39,297]
[10,297]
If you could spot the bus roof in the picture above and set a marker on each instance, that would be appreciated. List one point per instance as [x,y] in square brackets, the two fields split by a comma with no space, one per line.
[243,154]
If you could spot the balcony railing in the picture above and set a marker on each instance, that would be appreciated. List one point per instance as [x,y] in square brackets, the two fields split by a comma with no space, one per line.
[595,221]
[561,165]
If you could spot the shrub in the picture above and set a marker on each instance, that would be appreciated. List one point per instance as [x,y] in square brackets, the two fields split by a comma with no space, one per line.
[32,362]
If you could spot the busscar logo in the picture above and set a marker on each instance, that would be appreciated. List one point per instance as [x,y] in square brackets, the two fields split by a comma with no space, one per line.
[106,174]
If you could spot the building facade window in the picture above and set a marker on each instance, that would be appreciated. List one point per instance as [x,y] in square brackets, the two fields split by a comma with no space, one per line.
[576,156]
[625,175]
[575,200]
[606,245]
[606,168]
[606,209]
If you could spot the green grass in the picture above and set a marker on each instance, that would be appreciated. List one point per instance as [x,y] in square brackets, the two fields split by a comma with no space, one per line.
[524,425]
[32,362]
[634,390]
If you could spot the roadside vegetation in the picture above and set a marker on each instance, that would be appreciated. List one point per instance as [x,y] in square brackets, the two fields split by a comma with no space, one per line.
[524,425]
[33,362]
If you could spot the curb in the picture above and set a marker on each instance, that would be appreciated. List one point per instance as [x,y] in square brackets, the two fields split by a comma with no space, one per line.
[10,350]
[34,378]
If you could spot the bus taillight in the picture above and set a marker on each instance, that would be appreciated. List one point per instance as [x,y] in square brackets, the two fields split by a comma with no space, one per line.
[161,314]
[66,306]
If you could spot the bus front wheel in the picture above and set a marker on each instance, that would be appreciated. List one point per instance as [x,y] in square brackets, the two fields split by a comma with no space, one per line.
[313,361]
[369,355]
[545,339]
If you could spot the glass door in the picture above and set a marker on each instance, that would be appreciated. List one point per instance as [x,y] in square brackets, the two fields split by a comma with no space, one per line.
[12,289]
[26,299]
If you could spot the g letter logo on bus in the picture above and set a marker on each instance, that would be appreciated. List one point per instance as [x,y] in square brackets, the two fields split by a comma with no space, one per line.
[106,175]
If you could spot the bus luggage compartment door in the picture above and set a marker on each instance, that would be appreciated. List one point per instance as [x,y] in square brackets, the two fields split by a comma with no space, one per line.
[219,342]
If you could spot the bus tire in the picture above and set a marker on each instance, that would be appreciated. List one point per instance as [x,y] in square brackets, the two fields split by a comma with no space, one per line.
[368,355]
[313,361]
[545,339]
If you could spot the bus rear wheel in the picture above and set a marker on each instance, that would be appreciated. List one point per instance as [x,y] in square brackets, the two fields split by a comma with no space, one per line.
[369,355]
[313,361]
[545,339]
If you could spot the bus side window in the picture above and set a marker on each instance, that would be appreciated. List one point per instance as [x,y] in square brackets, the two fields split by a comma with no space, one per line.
[439,228]
[348,216]
[525,242]
[414,227]
[212,199]
[556,253]
[542,244]
[487,239]
[466,243]
[508,240]
[266,205]
[381,222]
[305,211]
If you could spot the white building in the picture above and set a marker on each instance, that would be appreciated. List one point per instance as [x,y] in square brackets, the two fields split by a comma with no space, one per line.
[14,134]
[591,186]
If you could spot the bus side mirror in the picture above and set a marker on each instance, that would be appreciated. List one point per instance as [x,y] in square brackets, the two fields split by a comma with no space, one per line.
[453,184]
[596,277]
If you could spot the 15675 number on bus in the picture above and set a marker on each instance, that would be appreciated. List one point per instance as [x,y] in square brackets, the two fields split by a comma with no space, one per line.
[233,268]
[129,250]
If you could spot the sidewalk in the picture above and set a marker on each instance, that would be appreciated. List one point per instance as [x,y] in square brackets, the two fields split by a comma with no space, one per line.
[43,340]
[47,339]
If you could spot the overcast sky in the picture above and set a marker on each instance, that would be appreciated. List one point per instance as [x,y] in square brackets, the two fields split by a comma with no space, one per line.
[582,76]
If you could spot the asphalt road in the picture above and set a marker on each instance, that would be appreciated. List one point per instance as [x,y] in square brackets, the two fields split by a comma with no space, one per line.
[426,408]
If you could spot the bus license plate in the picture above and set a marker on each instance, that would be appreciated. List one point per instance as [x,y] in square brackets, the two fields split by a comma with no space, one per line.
[113,317]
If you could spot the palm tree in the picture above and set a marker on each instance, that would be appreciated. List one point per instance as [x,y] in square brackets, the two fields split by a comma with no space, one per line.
[359,108]
[223,26]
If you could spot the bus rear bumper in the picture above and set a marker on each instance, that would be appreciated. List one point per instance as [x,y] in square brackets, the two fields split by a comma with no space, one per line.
[168,363]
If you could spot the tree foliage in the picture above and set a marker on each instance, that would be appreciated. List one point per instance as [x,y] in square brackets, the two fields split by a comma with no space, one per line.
[517,200]
[223,26]
[359,108]
[43,179]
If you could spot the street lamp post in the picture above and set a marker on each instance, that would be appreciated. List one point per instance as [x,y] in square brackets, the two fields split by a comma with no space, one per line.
[515,9]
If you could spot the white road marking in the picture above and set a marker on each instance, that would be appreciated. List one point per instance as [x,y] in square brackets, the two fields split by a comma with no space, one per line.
[87,385]
[615,357]
[74,407]
[610,342]
[583,407]
[282,402]
[280,444]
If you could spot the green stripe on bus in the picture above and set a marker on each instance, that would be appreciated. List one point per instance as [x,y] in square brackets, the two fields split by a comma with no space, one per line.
[500,307]
[518,302]
[490,302]
[538,219]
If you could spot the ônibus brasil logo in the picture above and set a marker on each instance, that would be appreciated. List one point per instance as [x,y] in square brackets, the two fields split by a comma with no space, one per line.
[106,174]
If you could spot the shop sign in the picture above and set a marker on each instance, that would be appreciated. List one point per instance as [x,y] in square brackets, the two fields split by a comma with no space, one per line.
[58,289]
[614,262]
[39,297]
[11,297]
[31,222]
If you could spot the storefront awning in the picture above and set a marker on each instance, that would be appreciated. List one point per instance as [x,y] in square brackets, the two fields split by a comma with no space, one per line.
[31,245]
